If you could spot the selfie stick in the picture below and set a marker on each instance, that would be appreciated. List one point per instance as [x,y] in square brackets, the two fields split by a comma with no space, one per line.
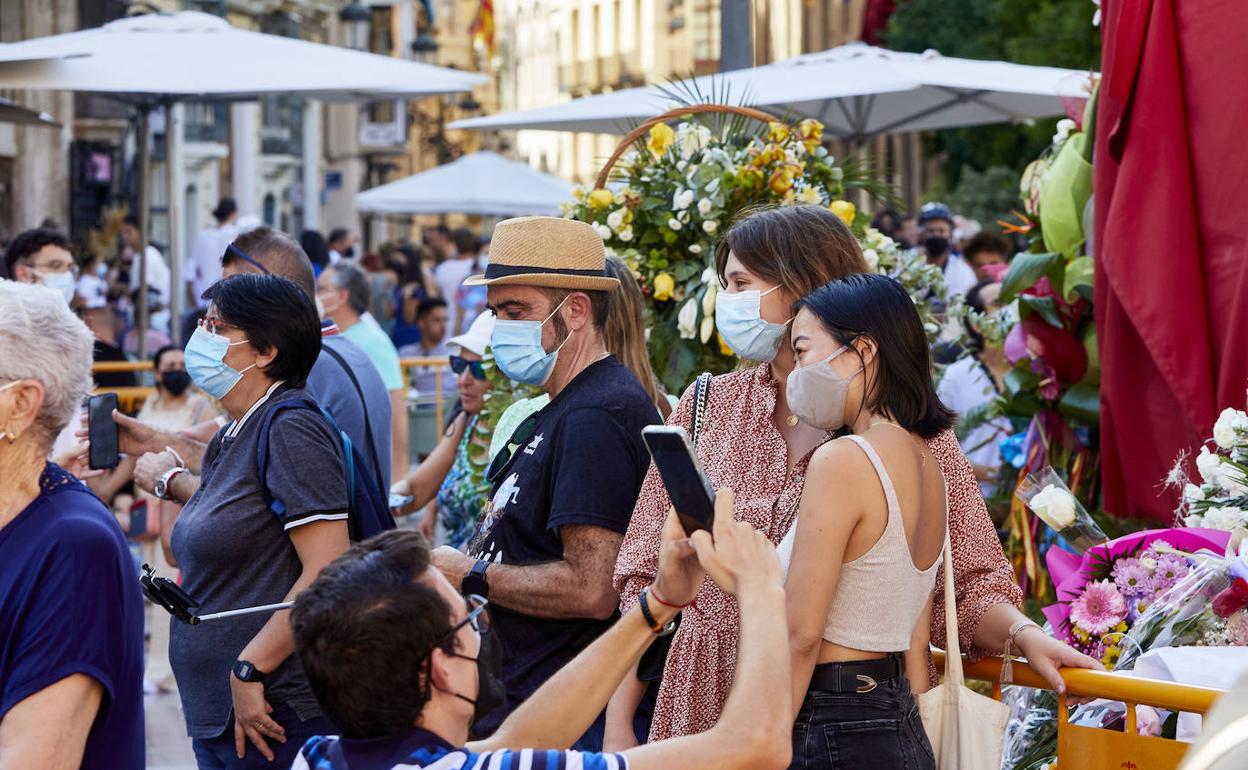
[196,619]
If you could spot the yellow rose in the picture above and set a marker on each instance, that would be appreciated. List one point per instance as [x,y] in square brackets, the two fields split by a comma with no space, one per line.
[811,132]
[844,211]
[661,138]
[723,346]
[750,177]
[781,180]
[777,132]
[601,198]
[664,285]
[770,154]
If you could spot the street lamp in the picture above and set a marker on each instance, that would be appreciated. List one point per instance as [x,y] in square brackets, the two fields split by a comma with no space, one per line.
[424,46]
[355,18]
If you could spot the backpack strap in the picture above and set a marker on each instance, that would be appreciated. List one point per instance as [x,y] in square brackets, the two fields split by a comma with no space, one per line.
[262,449]
[368,425]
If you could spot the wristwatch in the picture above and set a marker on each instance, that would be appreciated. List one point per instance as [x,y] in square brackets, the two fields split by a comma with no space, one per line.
[246,671]
[161,487]
[474,582]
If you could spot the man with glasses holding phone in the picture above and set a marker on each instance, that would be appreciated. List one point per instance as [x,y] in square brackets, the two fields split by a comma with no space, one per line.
[564,486]
[383,600]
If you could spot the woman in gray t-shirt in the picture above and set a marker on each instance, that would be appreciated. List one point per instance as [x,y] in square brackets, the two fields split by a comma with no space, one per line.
[242,690]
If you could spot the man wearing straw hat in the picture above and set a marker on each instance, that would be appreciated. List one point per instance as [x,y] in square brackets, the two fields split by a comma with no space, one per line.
[564,486]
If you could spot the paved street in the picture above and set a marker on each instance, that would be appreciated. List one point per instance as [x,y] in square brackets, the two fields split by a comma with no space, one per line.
[168,748]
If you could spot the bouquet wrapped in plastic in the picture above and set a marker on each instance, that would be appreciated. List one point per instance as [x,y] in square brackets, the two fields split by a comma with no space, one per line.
[1047,496]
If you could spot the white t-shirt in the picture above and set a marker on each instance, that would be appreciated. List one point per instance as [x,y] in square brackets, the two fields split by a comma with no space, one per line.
[158,274]
[966,387]
[959,276]
[93,290]
[204,264]
[450,276]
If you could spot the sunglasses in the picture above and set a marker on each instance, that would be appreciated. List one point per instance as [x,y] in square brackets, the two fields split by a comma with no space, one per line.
[522,435]
[459,364]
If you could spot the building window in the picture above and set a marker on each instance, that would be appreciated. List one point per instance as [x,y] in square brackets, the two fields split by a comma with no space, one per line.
[705,36]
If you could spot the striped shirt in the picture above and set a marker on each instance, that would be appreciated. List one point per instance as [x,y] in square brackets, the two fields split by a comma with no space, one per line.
[422,750]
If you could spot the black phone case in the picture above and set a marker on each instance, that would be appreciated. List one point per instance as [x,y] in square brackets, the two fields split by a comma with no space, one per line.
[102,432]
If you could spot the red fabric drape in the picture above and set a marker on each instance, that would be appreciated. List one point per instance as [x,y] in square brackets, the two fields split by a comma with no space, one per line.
[1171,219]
[875,20]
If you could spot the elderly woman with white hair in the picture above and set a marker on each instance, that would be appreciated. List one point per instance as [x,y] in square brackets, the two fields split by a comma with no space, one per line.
[71,613]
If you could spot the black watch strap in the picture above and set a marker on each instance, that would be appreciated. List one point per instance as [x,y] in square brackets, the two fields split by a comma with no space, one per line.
[246,671]
[475,582]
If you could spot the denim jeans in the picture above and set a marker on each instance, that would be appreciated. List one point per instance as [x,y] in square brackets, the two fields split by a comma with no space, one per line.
[877,730]
[218,753]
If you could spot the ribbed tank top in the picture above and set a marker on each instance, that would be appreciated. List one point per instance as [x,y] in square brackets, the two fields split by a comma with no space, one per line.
[881,594]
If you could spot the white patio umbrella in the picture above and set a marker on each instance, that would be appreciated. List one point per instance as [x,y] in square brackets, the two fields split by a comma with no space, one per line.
[855,90]
[12,112]
[481,183]
[156,60]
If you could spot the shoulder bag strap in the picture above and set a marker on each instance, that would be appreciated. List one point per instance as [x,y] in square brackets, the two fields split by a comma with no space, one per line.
[701,395]
[368,426]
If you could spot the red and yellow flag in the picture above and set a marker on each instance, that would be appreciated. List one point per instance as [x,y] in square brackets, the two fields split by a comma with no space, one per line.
[483,27]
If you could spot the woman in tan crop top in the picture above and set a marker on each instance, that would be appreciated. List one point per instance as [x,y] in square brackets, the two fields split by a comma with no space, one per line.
[862,563]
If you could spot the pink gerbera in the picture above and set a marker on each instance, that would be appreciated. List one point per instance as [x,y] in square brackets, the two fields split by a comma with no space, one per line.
[1099,608]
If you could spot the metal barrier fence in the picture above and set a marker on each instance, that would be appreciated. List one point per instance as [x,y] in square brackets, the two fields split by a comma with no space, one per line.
[1090,747]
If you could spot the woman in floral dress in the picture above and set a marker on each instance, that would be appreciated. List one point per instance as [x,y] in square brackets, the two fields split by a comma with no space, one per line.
[751,443]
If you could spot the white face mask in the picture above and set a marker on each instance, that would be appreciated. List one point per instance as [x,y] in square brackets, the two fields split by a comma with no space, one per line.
[817,394]
[738,316]
[62,282]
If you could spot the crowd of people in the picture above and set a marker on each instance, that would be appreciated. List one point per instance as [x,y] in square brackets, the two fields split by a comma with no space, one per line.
[462,639]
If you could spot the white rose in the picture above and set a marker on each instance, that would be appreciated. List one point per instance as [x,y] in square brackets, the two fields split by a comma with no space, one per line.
[1225,518]
[704,206]
[1055,507]
[1195,520]
[1230,424]
[695,248]
[681,165]
[615,220]
[1209,465]
[603,231]
[682,200]
[626,234]
[710,226]
[687,319]
[1193,493]
[872,258]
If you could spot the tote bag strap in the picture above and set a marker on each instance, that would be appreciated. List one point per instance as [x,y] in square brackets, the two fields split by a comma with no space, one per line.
[953,648]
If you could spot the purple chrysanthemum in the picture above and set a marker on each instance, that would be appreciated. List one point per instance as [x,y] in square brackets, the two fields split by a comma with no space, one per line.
[1130,577]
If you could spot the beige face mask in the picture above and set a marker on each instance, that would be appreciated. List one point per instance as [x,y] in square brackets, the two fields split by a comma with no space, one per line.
[817,394]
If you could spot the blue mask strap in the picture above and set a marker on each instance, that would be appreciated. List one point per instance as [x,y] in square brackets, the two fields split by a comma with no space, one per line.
[246,258]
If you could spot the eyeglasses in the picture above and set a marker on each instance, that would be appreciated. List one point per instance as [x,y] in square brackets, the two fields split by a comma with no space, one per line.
[459,364]
[56,267]
[477,617]
[214,325]
[523,433]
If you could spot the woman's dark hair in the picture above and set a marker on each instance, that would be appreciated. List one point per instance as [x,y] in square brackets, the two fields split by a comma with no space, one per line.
[798,247]
[876,306]
[274,313]
[414,258]
[314,246]
[373,603]
[159,354]
[975,301]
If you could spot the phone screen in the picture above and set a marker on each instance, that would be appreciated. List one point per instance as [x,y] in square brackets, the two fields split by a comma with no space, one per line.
[692,495]
[102,431]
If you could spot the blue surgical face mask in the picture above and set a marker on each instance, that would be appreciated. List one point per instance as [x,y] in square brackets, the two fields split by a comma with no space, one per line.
[518,350]
[205,362]
[738,318]
[62,282]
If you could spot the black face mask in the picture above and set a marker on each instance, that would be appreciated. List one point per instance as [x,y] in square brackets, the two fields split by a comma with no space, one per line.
[491,692]
[176,381]
[935,246]
[348,252]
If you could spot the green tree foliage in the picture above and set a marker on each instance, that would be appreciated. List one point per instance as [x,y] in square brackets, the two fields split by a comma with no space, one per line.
[1055,33]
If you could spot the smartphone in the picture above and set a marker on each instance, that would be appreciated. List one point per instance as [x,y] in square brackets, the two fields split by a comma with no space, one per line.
[102,431]
[398,501]
[692,495]
[138,520]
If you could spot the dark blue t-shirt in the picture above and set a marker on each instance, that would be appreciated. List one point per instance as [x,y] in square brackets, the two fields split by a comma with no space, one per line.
[70,604]
[584,465]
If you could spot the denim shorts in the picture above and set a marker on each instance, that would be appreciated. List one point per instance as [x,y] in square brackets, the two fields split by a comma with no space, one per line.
[877,730]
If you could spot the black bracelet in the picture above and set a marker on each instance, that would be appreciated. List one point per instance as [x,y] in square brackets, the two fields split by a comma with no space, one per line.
[655,626]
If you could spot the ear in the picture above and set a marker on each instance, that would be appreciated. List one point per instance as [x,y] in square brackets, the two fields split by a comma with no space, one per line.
[867,348]
[579,311]
[25,401]
[23,274]
[439,672]
[264,359]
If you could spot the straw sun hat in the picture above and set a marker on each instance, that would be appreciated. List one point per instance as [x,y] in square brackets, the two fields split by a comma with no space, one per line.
[546,251]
